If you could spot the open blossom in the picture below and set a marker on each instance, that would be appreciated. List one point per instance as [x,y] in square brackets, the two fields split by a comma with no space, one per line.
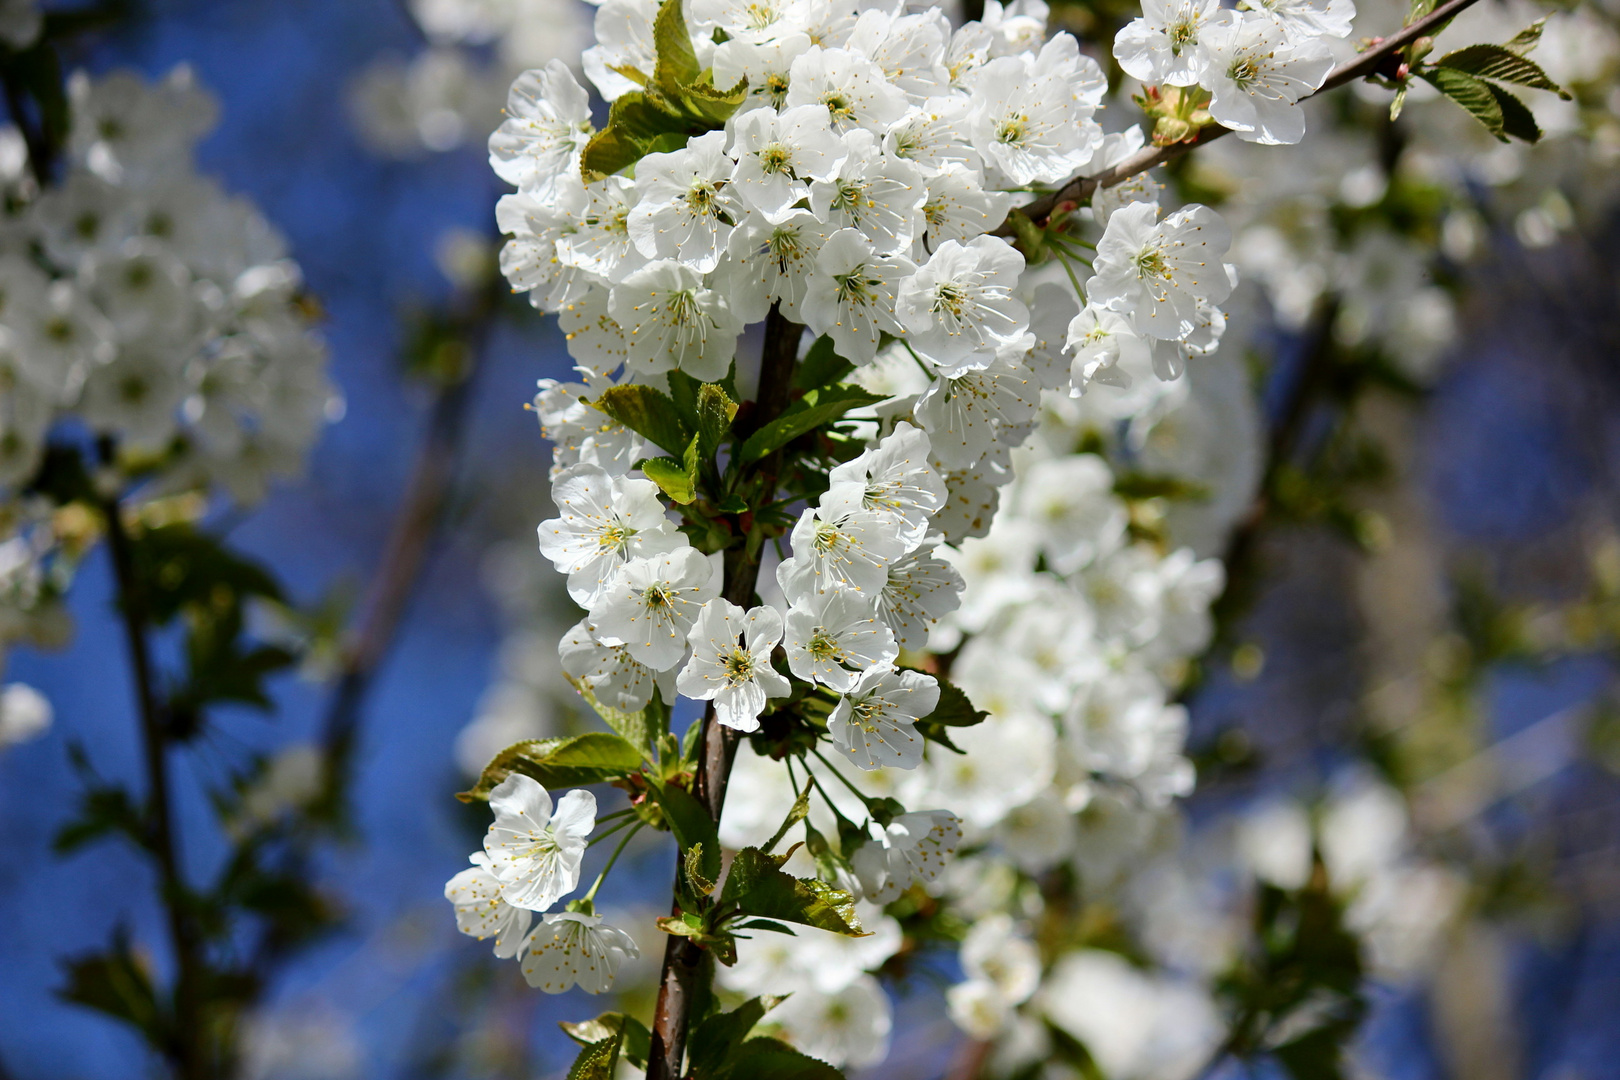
[922,589]
[529,259]
[684,202]
[894,478]
[1106,348]
[831,637]
[670,319]
[849,86]
[1032,121]
[651,606]
[879,196]
[1308,18]
[778,156]
[962,413]
[911,848]
[599,242]
[736,675]
[770,262]
[851,296]
[482,912]
[1164,43]
[616,679]
[1161,270]
[606,521]
[570,948]
[874,723]
[1258,75]
[548,123]
[852,549]
[534,852]
[960,306]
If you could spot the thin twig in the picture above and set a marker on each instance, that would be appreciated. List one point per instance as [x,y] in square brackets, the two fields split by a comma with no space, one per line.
[1081,188]
[187,1048]
[682,959]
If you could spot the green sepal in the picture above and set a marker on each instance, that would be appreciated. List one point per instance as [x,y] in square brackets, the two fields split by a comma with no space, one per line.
[591,758]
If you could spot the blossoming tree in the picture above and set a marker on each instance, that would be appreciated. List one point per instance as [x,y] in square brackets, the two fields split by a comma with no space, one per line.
[808,544]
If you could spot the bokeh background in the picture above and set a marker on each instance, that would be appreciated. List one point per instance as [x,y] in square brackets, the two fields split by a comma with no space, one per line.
[1457,610]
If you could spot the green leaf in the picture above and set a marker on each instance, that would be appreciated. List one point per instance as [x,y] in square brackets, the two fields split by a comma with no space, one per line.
[639,123]
[760,888]
[689,820]
[582,759]
[1502,64]
[598,1060]
[715,412]
[763,1058]
[692,863]
[1474,95]
[637,1039]
[765,924]
[711,1049]
[649,413]
[1526,39]
[714,105]
[816,408]
[1517,119]
[640,729]
[117,984]
[821,365]
[796,814]
[672,478]
[677,65]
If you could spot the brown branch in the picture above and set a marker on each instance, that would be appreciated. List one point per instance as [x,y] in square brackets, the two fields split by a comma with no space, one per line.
[1081,188]
[682,959]
[187,1046]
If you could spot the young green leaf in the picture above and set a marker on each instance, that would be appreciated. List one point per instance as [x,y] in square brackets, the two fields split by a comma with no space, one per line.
[649,413]
[692,864]
[713,1043]
[762,1056]
[1517,120]
[672,477]
[637,1039]
[639,728]
[118,984]
[1502,64]
[591,758]
[760,888]
[796,814]
[1526,39]
[715,412]
[815,409]
[1474,95]
[599,1060]
[677,66]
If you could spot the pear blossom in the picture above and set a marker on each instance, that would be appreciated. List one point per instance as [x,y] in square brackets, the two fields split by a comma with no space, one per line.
[651,605]
[606,521]
[481,912]
[911,848]
[548,123]
[831,637]
[738,678]
[874,722]
[534,852]
[570,948]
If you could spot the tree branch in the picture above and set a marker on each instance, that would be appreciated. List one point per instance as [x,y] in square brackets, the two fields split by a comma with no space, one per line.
[1081,188]
[682,959]
[187,1049]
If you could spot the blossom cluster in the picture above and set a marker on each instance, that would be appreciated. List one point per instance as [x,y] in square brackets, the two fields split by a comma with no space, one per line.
[531,859]
[142,299]
[1256,64]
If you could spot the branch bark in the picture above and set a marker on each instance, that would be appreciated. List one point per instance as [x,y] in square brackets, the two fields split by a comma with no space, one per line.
[188,1048]
[682,959]
[1082,188]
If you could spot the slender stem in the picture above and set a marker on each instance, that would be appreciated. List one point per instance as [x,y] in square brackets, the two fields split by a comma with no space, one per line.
[597,884]
[1081,188]
[815,782]
[682,959]
[866,802]
[187,1048]
[605,833]
[1067,269]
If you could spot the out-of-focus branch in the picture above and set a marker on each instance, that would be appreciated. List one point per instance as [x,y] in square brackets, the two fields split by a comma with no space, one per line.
[1082,188]
[188,1047]
[410,541]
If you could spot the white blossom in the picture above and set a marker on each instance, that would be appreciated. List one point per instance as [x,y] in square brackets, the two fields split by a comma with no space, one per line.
[548,123]
[570,948]
[651,606]
[778,156]
[1165,43]
[683,201]
[832,636]
[737,677]
[853,549]
[482,912]
[911,848]
[960,307]
[1257,75]
[534,852]
[606,521]
[850,87]
[880,196]
[874,722]
[851,296]
[671,319]
[1159,271]
[892,478]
